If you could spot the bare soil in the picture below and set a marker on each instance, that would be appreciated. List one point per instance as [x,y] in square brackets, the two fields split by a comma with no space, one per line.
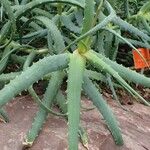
[135,126]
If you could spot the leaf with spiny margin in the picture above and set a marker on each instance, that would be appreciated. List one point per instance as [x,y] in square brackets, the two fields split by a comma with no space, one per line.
[66,20]
[104,109]
[32,24]
[110,44]
[35,35]
[4,59]
[41,116]
[136,43]
[99,44]
[33,4]
[33,74]
[75,79]
[88,15]
[79,17]
[92,30]
[56,36]
[130,28]
[101,65]
[41,104]
[61,102]
[5,31]
[42,12]
[95,75]
[9,12]
[122,38]
[9,76]
[111,86]
[10,24]
[126,73]
[114,47]
[88,19]
[53,86]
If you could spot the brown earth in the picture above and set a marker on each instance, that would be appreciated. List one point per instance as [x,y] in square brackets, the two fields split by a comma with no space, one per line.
[135,126]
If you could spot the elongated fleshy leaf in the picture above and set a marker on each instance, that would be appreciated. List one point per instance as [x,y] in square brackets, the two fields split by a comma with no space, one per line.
[128,27]
[55,34]
[87,22]
[126,73]
[93,30]
[4,59]
[9,76]
[11,23]
[31,75]
[9,12]
[5,31]
[75,76]
[101,65]
[104,109]
[68,23]
[41,116]
[36,3]
[61,102]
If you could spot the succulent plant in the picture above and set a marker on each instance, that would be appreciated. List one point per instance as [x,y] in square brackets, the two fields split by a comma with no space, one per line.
[82,39]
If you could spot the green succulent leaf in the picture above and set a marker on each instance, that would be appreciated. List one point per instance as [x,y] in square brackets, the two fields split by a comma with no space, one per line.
[101,65]
[103,108]
[36,72]
[41,116]
[89,13]
[31,5]
[126,73]
[75,79]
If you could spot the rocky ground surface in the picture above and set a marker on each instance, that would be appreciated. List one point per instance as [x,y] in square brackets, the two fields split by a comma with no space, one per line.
[135,125]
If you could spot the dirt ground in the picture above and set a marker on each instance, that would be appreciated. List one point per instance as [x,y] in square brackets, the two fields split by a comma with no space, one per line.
[135,126]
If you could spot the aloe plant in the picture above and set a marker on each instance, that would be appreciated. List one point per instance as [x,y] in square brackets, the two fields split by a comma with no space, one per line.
[66,54]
